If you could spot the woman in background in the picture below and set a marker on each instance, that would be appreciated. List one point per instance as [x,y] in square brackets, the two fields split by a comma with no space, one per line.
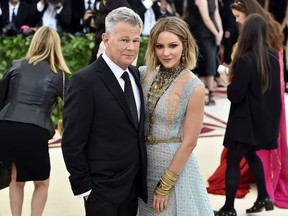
[254,117]
[275,162]
[205,24]
[28,92]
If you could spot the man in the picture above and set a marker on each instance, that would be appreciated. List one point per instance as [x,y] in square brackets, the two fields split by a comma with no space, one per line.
[148,10]
[103,145]
[84,14]
[56,14]
[13,15]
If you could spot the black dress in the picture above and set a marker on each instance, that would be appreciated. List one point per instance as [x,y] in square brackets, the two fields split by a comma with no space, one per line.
[205,39]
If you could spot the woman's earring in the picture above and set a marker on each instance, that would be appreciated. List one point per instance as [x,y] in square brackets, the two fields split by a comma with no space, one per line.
[182,57]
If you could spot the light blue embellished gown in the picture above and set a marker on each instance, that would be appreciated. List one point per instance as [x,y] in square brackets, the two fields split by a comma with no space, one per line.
[189,196]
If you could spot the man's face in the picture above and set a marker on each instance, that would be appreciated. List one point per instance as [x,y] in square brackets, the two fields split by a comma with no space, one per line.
[122,44]
[14,2]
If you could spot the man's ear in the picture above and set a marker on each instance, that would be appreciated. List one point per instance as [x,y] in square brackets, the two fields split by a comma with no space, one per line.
[105,38]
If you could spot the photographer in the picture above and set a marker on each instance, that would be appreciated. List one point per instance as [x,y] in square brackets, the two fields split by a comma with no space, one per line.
[13,15]
[84,16]
[56,14]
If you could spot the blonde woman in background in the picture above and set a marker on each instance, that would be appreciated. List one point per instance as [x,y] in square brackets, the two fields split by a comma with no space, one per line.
[28,93]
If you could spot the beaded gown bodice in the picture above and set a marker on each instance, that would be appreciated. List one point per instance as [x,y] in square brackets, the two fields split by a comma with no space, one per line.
[165,113]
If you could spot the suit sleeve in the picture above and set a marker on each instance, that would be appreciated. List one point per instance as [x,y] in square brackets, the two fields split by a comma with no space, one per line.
[238,88]
[77,119]
[4,87]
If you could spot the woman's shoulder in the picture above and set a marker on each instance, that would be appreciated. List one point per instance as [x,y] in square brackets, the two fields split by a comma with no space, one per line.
[143,72]
[190,80]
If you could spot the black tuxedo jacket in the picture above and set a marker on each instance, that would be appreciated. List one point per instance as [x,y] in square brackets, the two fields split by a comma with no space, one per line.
[139,8]
[103,149]
[78,11]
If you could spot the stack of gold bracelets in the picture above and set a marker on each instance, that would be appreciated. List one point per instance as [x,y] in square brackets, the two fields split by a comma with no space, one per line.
[165,183]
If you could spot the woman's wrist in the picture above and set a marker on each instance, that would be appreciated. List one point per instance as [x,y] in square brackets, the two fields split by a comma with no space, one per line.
[166,183]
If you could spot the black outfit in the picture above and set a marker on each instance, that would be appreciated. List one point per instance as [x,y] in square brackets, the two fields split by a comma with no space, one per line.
[28,94]
[206,40]
[179,6]
[278,10]
[63,19]
[23,17]
[102,147]
[253,122]
[139,8]
[229,24]
[78,11]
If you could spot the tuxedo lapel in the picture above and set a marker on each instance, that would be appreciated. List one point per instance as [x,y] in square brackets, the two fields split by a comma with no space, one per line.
[137,80]
[113,86]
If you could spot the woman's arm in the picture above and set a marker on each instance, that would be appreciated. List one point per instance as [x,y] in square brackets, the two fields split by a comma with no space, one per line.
[218,23]
[192,128]
[203,8]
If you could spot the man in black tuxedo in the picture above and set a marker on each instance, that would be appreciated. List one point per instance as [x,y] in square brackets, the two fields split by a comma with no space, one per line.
[103,141]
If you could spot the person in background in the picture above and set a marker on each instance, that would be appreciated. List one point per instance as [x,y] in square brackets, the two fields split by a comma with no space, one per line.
[84,14]
[14,15]
[105,7]
[56,14]
[174,99]
[28,92]
[279,10]
[254,117]
[149,12]
[103,142]
[275,162]
[205,24]
[230,31]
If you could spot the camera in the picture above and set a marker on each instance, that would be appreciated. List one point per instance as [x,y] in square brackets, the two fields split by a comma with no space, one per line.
[55,1]
[10,30]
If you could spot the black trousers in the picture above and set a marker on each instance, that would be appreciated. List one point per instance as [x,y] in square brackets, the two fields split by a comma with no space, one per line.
[96,206]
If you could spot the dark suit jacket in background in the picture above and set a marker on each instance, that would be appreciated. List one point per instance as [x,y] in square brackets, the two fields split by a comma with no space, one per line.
[140,9]
[23,16]
[102,147]
[64,18]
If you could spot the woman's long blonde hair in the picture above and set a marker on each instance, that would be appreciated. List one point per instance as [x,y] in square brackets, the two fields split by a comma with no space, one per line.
[46,46]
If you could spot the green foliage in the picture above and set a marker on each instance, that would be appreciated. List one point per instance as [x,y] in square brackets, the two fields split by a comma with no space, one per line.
[142,51]
[76,51]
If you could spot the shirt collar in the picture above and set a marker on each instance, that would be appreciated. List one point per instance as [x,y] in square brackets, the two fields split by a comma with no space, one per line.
[114,68]
[14,6]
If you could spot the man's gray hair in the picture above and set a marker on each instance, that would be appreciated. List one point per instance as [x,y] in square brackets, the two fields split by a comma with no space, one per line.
[122,14]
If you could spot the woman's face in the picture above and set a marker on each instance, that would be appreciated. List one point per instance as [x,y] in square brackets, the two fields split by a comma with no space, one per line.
[240,16]
[168,49]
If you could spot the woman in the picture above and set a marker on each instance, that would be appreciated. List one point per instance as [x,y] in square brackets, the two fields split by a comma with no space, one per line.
[275,162]
[174,99]
[205,24]
[253,123]
[28,93]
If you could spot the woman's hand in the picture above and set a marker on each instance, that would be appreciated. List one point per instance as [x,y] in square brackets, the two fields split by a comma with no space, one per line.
[160,203]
